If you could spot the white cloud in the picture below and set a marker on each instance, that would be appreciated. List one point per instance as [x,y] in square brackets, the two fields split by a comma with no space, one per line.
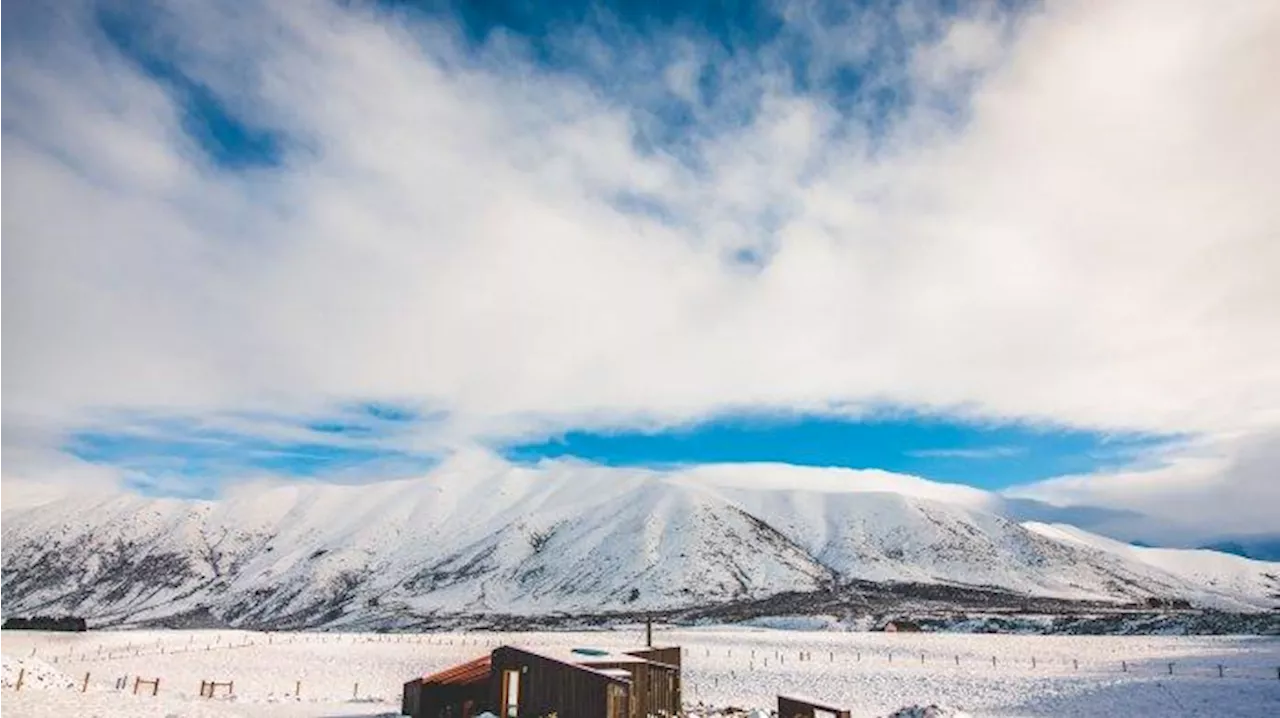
[1095,245]
[1225,488]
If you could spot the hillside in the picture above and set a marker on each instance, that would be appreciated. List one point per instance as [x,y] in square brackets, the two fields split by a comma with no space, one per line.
[495,539]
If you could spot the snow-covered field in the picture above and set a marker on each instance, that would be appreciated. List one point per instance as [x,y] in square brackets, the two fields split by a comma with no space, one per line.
[873,673]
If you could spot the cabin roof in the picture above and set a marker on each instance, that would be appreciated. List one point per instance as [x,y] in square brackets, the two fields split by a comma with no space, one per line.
[596,656]
[562,659]
[808,700]
[596,661]
[462,674]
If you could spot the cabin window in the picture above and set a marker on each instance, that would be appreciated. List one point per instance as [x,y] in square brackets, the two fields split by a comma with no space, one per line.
[819,713]
[510,693]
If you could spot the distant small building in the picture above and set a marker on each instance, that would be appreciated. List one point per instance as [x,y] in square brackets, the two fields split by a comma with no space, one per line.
[45,623]
[516,682]
[1176,604]
[901,627]
[792,706]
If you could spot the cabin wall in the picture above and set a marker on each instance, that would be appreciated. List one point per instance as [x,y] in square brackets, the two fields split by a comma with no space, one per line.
[664,692]
[654,687]
[548,685]
[431,700]
[670,655]
[410,701]
[448,701]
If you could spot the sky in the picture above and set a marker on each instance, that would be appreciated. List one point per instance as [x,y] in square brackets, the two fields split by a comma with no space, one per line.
[1028,247]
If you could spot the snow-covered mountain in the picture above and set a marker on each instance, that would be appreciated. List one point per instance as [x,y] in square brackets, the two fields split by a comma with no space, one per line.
[487,538]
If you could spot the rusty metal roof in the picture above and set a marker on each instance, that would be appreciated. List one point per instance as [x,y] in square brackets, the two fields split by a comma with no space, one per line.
[462,674]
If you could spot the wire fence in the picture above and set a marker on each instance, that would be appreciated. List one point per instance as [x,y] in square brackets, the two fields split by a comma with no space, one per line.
[705,667]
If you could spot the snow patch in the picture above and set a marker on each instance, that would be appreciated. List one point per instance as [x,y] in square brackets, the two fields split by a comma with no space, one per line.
[36,674]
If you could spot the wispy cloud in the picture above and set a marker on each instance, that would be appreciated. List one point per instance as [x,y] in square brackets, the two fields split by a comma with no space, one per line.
[200,454]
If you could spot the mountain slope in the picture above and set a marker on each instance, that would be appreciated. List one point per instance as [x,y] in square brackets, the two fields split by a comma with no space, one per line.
[484,538]
[1210,570]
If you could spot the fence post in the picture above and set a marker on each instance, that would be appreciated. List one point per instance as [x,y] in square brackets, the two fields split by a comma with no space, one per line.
[22,673]
[1033,661]
[1170,669]
[85,686]
[355,692]
[1124,666]
[297,689]
[1219,670]
[1075,663]
[155,687]
[957,660]
[993,661]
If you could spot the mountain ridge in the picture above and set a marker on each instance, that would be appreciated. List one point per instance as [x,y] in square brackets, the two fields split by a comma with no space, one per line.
[525,541]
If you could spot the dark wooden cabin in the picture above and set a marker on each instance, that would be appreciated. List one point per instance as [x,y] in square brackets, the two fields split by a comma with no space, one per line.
[901,627]
[525,684]
[798,707]
[518,683]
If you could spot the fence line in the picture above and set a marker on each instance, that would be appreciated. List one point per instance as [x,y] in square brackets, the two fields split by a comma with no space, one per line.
[699,677]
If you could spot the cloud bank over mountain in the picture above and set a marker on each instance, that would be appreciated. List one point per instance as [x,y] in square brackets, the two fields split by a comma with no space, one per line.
[1059,215]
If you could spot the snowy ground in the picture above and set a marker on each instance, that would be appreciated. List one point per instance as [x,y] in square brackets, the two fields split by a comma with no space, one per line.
[873,673]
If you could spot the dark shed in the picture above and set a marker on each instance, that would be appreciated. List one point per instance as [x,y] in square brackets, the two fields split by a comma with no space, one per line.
[798,707]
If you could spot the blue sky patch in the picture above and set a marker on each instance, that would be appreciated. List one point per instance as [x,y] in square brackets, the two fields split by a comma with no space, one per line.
[228,139]
[372,441]
[990,456]
[365,442]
